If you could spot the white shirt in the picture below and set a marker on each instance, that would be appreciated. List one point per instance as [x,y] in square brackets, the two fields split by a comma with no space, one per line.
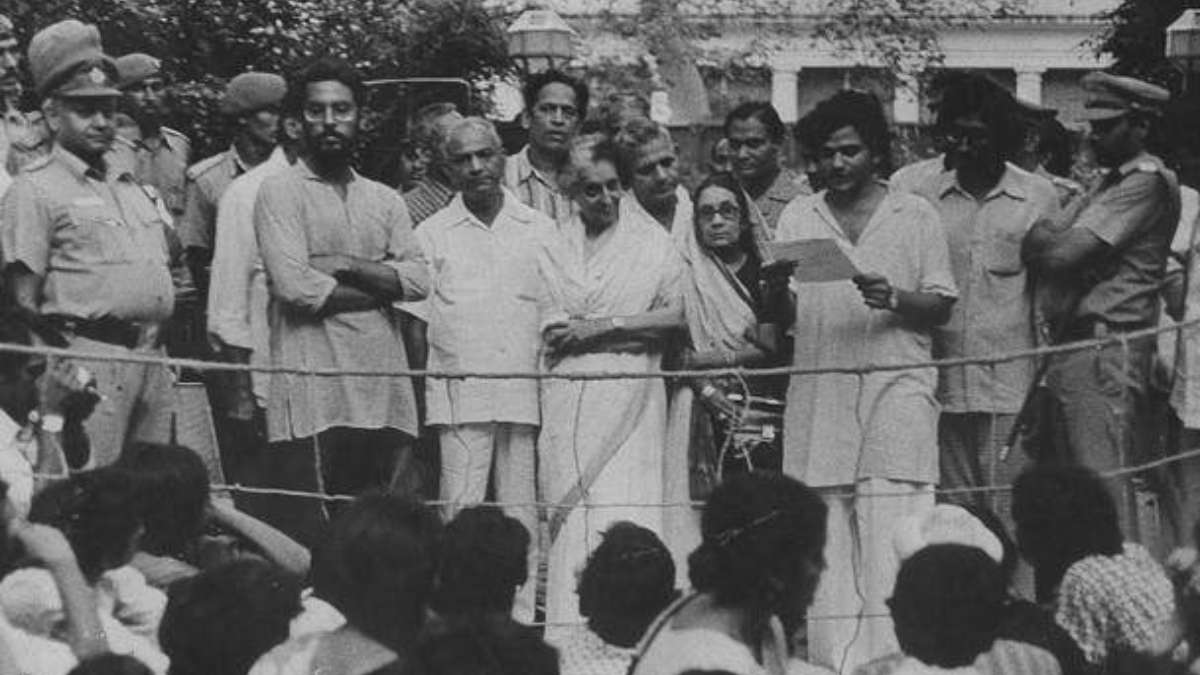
[16,463]
[482,310]
[237,293]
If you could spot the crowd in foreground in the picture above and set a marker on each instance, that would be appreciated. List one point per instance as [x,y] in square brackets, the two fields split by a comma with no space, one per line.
[582,254]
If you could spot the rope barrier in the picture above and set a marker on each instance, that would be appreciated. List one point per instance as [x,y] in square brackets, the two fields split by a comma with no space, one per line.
[300,494]
[222,366]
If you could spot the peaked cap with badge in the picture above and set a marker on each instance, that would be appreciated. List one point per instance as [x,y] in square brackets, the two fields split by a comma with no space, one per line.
[66,60]
[1110,96]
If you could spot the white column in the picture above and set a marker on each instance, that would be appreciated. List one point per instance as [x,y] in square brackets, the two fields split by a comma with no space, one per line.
[906,104]
[785,92]
[1029,85]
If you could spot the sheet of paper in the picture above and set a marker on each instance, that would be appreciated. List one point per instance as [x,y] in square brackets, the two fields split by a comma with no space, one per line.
[817,260]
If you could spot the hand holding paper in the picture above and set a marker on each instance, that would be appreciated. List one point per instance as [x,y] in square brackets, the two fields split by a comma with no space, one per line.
[815,260]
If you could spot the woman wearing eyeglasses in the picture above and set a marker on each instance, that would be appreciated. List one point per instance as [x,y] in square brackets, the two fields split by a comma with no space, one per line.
[728,322]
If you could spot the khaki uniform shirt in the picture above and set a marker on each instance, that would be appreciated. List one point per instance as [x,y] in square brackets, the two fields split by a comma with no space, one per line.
[297,215]
[160,162]
[98,240]
[1067,189]
[206,182]
[1135,210]
[994,312]
[534,188]
[787,186]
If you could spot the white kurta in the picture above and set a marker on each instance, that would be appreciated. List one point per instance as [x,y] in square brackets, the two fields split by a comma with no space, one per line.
[634,272]
[844,427]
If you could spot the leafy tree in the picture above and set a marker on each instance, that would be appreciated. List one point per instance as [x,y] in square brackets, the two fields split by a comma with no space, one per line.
[204,43]
[1136,38]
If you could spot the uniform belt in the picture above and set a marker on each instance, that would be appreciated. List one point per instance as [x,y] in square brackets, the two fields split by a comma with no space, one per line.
[1095,328]
[108,330]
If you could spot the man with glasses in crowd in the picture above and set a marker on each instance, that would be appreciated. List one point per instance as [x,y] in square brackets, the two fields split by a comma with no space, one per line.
[555,105]
[339,250]
[987,206]
[85,245]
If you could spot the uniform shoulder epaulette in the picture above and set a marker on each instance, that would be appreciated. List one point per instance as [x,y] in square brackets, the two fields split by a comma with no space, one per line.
[205,165]
[1147,166]
[168,131]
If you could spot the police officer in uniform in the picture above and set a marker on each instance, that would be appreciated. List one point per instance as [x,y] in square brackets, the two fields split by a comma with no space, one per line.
[252,101]
[1106,262]
[23,135]
[85,246]
[161,154]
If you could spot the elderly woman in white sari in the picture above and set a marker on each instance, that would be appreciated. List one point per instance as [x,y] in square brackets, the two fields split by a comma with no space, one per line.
[610,302]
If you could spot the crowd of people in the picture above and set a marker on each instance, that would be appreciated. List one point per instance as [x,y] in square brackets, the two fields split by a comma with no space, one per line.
[859,515]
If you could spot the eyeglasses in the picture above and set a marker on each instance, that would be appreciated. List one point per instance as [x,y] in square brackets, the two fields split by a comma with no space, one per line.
[340,112]
[972,135]
[727,210]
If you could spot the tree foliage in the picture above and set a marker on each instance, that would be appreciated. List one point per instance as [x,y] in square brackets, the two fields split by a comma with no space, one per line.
[205,42]
[1136,38]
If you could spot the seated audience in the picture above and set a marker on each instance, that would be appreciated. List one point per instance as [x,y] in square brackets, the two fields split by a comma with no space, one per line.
[628,581]
[79,634]
[484,645]
[376,566]
[754,575]
[946,609]
[173,488]
[483,563]
[1110,595]
[1027,641]
[222,620]
[1022,621]
[97,512]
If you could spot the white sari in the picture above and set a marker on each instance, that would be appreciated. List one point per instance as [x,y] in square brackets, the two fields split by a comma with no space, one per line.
[601,441]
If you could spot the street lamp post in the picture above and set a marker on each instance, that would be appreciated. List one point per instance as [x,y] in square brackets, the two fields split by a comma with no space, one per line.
[1183,43]
[539,40]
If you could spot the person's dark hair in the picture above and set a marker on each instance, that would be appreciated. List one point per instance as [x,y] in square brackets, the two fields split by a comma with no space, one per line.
[172,484]
[727,181]
[223,619]
[1010,557]
[631,138]
[1063,514]
[759,530]
[376,565]
[484,560]
[627,581]
[619,108]
[98,512]
[538,81]
[484,645]
[975,94]
[947,604]
[324,69]
[1057,147]
[110,664]
[763,112]
[586,150]
[857,109]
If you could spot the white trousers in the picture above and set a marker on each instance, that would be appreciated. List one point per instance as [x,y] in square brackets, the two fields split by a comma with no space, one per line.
[473,452]
[849,622]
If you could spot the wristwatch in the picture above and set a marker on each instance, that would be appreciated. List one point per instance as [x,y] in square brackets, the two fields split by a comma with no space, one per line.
[894,299]
[617,322]
[51,423]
